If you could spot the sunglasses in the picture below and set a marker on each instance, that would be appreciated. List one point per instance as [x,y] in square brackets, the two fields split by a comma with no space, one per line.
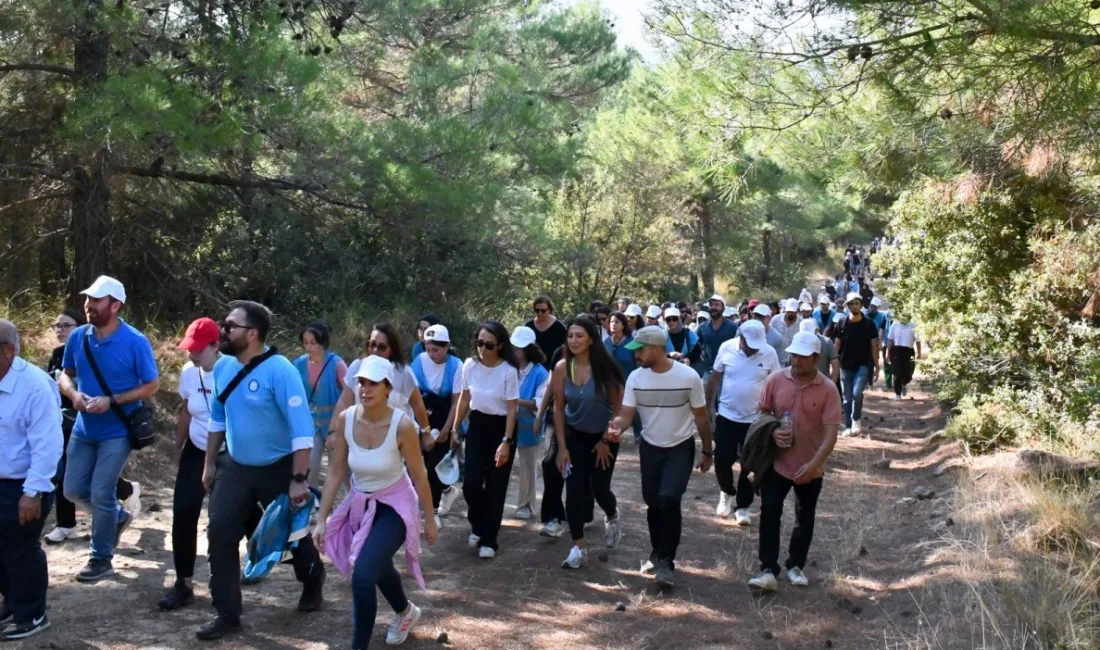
[542,310]
[229,327]
[488,345]
[381,347]
[672,319]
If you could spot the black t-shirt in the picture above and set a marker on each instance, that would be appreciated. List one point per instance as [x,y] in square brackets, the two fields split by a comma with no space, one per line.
[54,368]
[856,341]
[550,340]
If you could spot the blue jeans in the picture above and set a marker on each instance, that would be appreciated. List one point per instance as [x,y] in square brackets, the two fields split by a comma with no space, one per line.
[374,566]
[854,382]
[91,473]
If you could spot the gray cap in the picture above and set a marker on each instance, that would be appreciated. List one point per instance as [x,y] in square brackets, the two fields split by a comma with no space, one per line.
[649,335]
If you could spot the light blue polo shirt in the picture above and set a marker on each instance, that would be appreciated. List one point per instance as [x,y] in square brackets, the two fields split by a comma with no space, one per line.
[126,360]
[267,416]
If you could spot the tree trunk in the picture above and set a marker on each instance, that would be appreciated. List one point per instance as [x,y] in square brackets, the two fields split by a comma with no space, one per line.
[706,232]
[18,228]
[766,252]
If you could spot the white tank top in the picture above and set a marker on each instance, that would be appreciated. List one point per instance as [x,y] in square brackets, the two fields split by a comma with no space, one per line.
[374,469]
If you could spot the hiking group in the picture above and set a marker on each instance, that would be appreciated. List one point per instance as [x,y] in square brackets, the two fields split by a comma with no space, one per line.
[408,432]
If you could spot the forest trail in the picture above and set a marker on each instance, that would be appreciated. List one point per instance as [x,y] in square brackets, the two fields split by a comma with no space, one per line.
[869,565]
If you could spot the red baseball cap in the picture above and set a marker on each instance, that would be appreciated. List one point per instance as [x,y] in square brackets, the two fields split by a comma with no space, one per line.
[753,303]
[200,333]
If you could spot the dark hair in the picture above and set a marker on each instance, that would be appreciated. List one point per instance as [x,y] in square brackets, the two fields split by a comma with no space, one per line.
[604,310]
[623,319]
[594,306]
[75,314]
[393,339]
[636,323]
[429,319]
[258,316]
[534,354]
[504,344]
[544,300]
[680,305]
[605,370]
[320,331]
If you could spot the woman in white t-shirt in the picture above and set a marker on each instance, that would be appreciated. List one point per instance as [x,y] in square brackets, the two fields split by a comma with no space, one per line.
[490,395]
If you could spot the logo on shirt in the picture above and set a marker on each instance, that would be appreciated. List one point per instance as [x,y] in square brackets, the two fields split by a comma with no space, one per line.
[253,385]
[295,401]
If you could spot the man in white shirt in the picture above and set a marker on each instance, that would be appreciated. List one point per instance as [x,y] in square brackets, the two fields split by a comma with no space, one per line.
[30,448]
[743,364]
[903,349]
[669,398]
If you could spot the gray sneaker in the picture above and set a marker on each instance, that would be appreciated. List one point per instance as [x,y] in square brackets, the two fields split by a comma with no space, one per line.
[612,532]
[95,571]
[665,578]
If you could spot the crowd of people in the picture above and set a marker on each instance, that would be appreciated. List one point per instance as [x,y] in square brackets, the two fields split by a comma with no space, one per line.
[769,385]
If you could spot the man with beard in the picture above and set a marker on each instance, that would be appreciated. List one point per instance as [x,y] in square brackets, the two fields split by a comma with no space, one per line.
[669,397]
[763,313]
[716,332]
[787,326]
[261,412]
[823,314]
[100,443]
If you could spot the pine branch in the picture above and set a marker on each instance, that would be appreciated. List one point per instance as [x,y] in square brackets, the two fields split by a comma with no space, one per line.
[37,67]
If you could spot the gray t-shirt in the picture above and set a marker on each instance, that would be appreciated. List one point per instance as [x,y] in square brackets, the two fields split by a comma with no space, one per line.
[828,353]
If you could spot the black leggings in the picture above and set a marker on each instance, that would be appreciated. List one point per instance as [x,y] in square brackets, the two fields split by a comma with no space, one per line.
[485,485]
[587,481]
[431,459]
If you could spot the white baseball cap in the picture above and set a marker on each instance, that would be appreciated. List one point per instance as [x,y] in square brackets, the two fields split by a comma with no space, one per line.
[719,299]
[704,315]
[790,306]
[375,368]
[754,334]
[808,325]
[762,309]
[876,301]
[447,469]
[653,312]
[805,307]
[853,296]
[105,285]
[672,312]
[729,312]
[437,334]
[805,344]
[522,337]
[633,310]
[824,299]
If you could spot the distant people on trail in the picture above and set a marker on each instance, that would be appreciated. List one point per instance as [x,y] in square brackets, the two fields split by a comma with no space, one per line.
[715,332]
[809,414]
[549,331]
[670,399]
[322,374]
[100,442]
[865,291]
[741,367]
[533,383]
[379,446]
[438,378]
[30,450]
[622,304]
[857,344]
[260,411]
[490,396]
[903,349]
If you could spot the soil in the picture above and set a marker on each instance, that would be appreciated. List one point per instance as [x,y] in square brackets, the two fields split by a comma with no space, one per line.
[869,565]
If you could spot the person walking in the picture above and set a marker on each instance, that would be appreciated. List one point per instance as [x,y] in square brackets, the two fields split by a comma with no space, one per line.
[683,344]
[857,344]
[763,314]
[587,385]
[437,377]
[30,450]
[100,444]
[260,411]
[824,313]
[490,395]
[809,410]
[533,382]
[634,319]
[549,331]
[714,333]
[828,363]
[381,448]
[65,520]
[669,397]
[321,372]
[903,349]
[740,370]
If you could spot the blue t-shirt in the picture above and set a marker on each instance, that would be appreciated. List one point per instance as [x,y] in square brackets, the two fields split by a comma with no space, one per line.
[714,338]
[267,416]
[126,360]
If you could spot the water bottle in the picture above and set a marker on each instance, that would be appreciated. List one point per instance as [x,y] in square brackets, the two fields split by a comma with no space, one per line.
[787,425]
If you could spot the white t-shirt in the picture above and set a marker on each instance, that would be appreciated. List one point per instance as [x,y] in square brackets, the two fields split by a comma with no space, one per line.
[540,392]
[665,401]
[403,380]
[743,378]
[490,388]
[903,334]
[197,387]
[433,373]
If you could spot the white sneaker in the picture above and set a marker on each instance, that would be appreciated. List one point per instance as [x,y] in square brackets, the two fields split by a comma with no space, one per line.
[765,581]
[742,517]
[897,398]
[577,557]
[553,529]
[725,506]
[59,535]
[438,522]
[486,553]
[856,428]
[846,432]
[447,500]
[797,578]
[523,513]
[472,540]
[402,624]
[612,532]
[133,503]
[648,568]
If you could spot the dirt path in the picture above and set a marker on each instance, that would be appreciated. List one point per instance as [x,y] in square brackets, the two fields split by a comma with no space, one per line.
[868,568]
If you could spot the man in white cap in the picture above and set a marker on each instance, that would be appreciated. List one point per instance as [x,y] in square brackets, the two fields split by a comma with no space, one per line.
[824,313]
[653,315]
[763,313]
[828,363]
[787,325]
[809,408]
[100,443]
[715,332]
[670,399]
[857,343]
[742,366]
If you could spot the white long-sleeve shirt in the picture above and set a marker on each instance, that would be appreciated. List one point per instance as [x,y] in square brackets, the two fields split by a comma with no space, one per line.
[30,427]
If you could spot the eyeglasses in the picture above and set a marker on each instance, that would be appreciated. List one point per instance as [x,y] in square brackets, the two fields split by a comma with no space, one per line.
[58,327]
[542,310]
[488,345]
[229,327]
[381,347]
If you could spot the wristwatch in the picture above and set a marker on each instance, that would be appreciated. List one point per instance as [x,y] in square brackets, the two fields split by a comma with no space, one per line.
[510,441]
[708,454]
[301,478]
[113,401]
[33,494]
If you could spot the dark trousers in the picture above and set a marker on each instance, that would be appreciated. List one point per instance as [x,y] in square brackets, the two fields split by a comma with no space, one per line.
[66,510]
[237,490]
[485,486]
[587,482]
[729,438]
[374,566]
[23,572]
[904,362]
[665,475]
[431,459]
[773,492]
[553,508]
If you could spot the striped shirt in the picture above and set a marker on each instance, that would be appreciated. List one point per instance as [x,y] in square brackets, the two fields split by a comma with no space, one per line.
[664,401]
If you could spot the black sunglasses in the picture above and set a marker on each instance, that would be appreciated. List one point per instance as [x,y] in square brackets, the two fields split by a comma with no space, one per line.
[226,326]
[542,310]
[488,345]
[373,345]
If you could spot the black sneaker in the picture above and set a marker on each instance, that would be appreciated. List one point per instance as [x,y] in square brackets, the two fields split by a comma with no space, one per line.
[16,632]
[665,575]
[311,593]
[218,628]
[95,571]
[180,595]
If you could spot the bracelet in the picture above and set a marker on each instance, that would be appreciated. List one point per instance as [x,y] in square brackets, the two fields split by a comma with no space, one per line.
[708,454]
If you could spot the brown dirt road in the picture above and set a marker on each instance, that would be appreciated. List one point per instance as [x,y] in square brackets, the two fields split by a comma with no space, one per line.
[869,567]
